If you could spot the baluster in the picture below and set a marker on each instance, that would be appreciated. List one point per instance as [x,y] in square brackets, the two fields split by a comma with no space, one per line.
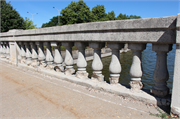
[23,52]
[7,51]
[136,70]
[81,61]
[115,66]
[28,53]
[35,62]
[41,54]
[3,50]
[19,52]
[97,65]
[49,55]
[58,60]
[161,74]
[68,58]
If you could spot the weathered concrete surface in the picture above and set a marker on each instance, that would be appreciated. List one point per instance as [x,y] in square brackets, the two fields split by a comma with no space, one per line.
[175,105]
[152,30]
[26,94]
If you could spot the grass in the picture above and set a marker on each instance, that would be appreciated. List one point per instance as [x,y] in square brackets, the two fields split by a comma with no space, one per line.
[63,48]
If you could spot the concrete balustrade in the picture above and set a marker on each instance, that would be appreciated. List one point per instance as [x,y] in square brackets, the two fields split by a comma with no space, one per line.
[161,32]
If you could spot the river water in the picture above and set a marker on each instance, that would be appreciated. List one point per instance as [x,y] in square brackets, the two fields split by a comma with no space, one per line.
[148,64]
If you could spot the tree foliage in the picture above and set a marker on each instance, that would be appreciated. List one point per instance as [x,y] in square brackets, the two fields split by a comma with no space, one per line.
[111,16]
[52,22]
[29,23]
[10,18]
[124,16]
[99,13]
[79,12]
[76,12]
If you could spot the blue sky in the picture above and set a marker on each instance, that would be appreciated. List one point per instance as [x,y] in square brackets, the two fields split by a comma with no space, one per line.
[143,8]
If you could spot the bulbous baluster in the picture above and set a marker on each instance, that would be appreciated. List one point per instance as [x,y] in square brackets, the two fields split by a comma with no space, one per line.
[23,52]
[35,62]
[19,52]
[58,60]
[7,51]
[41,54]
[81,61]
[115,66]
[136,70]
[68,58]
[3,50]
[97,65]
[28,53]
[49,56]
[161,74]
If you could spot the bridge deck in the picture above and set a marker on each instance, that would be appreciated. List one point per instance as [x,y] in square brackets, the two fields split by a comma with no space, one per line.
[31,95]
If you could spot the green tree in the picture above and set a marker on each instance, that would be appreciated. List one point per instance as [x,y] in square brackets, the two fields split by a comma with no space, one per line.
[52,22]
[111,15]
[124,16]
[76,12]
[134,17]
[10,18]
[99,13]
[29,24]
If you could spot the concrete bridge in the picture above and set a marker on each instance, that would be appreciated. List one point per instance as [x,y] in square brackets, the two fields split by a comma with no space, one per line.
[25,49]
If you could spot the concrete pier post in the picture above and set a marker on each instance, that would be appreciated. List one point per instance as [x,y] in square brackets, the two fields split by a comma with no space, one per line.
[41,54]
[34,55]
[175,99]
[28,53]
[161,74]
[81,61]
[97,65]
[115,66]
[23,52]
[136,70]
[58,60]
[68,58]
[49,55]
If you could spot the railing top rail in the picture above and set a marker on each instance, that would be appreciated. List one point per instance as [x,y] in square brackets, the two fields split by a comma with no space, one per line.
[118,30]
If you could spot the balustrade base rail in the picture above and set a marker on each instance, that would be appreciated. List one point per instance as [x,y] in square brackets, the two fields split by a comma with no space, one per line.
[117,89]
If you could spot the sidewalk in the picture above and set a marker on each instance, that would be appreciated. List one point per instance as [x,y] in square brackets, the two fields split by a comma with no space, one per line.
[29,95]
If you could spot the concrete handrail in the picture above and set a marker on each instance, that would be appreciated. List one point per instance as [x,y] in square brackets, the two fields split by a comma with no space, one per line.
[152,30]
